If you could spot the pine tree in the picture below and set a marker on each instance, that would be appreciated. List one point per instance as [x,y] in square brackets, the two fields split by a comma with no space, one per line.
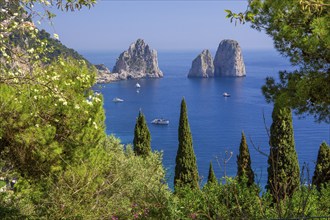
[186,173]
[211,179]
[322,167]
[283,166]
[141,142]
[244,170]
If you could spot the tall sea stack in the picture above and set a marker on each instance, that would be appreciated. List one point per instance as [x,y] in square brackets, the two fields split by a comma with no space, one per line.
[139,61]
[228,60]
[202,66]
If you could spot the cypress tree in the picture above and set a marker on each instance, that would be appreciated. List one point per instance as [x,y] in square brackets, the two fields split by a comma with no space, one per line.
[322,167]
[283,166]
[244,170]
[211,179]
[186,173]
[141,142]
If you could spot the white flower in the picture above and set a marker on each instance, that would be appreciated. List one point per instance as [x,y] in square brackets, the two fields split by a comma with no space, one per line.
[31,50]
[96,99]
[89,102]
[56,36]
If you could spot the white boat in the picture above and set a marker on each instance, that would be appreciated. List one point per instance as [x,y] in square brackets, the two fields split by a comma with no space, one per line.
[137,85]
[160,121]
[226,94]
[117,100]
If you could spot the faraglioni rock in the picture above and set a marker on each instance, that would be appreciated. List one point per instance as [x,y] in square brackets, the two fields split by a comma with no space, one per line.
[139,61]
[228,60]
[202,66]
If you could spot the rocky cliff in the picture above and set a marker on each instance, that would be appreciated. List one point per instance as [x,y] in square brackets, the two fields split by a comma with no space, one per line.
[139,61]
[202,66]
[228,60]
[104,75]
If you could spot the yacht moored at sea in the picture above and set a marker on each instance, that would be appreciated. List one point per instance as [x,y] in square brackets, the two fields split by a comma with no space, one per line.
[226,94]
[137,85]
[117,100]
[160,121]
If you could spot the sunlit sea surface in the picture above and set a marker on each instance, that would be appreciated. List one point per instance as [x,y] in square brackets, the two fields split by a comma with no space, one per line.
[216,122]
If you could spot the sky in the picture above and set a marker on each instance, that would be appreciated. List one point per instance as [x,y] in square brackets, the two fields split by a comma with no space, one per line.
[164,25]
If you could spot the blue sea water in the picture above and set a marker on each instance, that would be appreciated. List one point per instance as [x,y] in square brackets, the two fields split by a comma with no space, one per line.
[216,122]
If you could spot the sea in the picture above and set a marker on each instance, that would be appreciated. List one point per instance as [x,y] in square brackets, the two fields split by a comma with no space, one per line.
[216,122]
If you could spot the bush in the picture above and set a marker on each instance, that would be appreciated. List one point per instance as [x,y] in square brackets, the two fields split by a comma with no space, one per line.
[110,183]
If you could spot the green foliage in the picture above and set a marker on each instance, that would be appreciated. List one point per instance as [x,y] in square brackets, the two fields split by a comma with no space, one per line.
[300,30]
[323,205]
[244,169]
[44,125]
[306,201]
[216,201]
[73,4]
[304,93]
[322,167]
[302,34]
[283,167]
[211,179]
[61,4]
[186,173]
[111,183]
[142,138]
[303,203]
[236,200]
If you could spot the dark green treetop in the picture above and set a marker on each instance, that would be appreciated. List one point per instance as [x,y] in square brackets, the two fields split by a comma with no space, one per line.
[142,138]
[186,173]
[283,166]
[322,167]
[300,30]
[244,169]
[211,179]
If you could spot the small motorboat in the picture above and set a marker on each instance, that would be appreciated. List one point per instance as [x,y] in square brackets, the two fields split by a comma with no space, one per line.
[160,121]
[117,100]
[137,85]
[226,94]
